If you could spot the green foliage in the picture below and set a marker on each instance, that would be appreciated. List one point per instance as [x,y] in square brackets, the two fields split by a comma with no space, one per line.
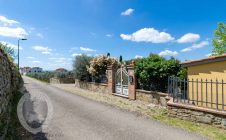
[67,74]
[219,42]
[43,76]
[80,67]
[153,72]
[15,129]
[8,50]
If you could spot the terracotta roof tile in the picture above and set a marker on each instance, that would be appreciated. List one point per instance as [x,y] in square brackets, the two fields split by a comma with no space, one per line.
[204,60]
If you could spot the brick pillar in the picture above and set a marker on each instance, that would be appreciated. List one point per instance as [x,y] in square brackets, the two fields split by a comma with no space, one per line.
[111,70]
[132,82]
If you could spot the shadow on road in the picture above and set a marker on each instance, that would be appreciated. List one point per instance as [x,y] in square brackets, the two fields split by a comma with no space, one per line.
[33,114]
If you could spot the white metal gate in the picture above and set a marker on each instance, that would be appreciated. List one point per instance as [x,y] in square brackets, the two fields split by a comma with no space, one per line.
[122,79]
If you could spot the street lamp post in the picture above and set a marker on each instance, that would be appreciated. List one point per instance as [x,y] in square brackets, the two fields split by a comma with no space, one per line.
[19,52]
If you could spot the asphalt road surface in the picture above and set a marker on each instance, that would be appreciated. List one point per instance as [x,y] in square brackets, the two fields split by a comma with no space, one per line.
[77,118]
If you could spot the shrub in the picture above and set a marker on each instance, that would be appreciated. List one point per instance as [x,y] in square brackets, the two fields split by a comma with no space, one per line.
[8,50]
[153,72]
[98,66]
[43,76]
[67,74]
[80,67]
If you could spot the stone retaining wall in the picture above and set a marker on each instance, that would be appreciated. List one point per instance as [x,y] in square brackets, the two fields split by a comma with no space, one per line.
[10,82]
[151,97]
[197,114]
[95,87]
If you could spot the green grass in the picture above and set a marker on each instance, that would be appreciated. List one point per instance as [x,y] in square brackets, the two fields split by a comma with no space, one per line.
[44,81]
[202,129]
[15,129]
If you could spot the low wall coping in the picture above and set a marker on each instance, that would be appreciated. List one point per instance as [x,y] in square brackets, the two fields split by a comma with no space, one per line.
[151,92]
[196,108]
[101,84]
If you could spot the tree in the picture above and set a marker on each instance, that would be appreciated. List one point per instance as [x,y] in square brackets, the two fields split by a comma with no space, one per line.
[99,64]
[120,59]
[219,42]
[153,72]
[80,67]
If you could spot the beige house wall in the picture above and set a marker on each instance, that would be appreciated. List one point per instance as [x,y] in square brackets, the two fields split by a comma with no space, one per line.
[214,71]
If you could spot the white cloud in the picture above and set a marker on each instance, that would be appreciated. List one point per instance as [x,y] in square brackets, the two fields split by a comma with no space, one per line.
[13,46]
[109,35]
[168,53]
[30,57]
[195,46]
[127,12]
[46,52]
[148,35]
[42,49]
[36,62]
[208,55]
[13,32]
[188,38]
[52,58]
[87,49]
[6,22]
[76,54]
[138,56]
[39,35]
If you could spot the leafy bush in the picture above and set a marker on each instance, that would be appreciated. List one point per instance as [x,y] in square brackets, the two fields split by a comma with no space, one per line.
[153,72]
[98,66]
[43,76]
[67,74]
[8,50]
[79,67]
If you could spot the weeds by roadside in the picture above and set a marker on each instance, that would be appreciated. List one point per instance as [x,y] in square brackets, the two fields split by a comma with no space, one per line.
[15,130]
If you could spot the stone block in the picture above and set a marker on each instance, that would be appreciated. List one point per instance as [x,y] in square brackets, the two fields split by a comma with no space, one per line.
[197,113]
[172,112]
[155,101]
[218,119]
[204,119]
[163,101]
[210,116]
[223,122]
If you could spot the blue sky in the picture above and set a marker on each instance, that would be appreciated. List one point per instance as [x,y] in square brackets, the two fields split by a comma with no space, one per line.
[59,30]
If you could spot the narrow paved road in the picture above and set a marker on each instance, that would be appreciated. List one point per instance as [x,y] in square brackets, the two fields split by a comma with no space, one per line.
[78,118]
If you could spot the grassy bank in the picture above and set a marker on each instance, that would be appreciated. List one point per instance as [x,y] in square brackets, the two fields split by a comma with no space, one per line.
[15,129]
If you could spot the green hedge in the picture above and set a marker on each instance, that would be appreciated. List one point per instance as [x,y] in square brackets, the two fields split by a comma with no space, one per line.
[43,76]
[153,72]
